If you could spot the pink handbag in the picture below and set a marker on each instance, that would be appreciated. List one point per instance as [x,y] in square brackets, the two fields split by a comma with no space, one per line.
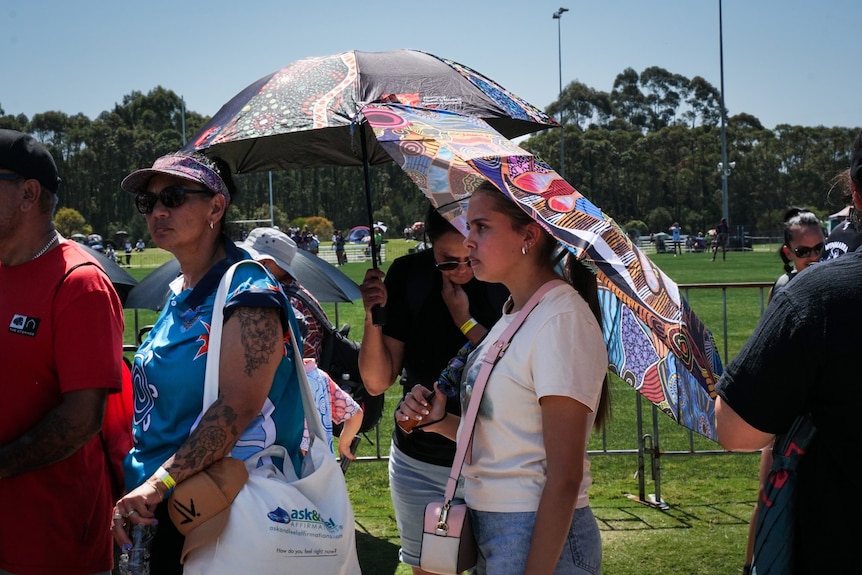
[448,544]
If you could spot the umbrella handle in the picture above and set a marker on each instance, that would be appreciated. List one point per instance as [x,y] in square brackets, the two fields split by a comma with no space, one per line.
[378,313]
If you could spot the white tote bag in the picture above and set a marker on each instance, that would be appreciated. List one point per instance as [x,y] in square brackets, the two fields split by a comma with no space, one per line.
[281,523]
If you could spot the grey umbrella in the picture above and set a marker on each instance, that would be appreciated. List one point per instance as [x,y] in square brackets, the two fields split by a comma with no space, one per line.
[325,282]
[121,279]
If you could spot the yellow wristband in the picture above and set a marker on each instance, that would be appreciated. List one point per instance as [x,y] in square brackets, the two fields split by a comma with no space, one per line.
[468,325]
[165,477]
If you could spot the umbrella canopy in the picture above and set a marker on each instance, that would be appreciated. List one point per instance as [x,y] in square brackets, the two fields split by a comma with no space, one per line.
[325,282]
[122,281]
[655,342]
[305,115]
[357,234]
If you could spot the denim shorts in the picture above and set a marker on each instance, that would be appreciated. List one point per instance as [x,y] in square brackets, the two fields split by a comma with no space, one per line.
[413,484]
[504,542]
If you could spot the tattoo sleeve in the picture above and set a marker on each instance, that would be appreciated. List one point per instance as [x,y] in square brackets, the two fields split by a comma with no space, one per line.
[261,332]
[219,429]
[57,436]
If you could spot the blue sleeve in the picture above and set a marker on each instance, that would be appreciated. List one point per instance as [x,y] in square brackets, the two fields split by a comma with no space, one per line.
[254,286]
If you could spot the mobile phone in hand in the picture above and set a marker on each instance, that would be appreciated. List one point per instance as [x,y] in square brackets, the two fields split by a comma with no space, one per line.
[407,425]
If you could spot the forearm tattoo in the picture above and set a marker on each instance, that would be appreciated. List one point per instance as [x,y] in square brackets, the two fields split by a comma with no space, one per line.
[53,439]
[260,333]
[216,431]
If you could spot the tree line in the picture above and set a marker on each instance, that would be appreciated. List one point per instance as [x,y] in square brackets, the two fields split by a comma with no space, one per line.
[647,151]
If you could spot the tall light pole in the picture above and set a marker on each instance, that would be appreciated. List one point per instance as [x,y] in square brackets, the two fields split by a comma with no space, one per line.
[723,167]
[558,16]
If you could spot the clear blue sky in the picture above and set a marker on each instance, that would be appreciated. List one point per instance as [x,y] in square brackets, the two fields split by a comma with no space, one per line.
[785,61]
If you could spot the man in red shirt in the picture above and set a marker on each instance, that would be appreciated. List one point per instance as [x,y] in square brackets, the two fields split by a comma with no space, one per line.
[60,356]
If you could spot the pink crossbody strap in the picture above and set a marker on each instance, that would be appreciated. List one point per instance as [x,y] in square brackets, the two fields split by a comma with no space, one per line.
[464,440]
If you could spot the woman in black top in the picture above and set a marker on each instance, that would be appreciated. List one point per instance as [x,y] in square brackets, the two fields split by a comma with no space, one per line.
[434,305]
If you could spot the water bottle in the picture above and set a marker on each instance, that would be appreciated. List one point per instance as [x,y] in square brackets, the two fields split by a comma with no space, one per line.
[136,561]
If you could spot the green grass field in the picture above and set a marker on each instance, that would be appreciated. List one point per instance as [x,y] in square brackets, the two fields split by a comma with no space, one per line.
[709,497]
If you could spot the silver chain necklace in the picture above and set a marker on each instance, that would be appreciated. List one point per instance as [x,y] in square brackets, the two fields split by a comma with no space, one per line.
[47,247]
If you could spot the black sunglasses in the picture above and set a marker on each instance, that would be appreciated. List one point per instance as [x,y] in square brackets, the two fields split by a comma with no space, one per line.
[805,251]
[11,177]
[449,266]
[170,197]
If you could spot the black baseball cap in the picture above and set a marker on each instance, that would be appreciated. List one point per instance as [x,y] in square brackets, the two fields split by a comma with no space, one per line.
[23,154]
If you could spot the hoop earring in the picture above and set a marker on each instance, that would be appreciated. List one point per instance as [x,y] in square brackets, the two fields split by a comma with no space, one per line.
[211,224]
[524,249]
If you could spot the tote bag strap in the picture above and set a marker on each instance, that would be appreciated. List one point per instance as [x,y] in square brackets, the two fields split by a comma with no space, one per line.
[315,426]
[464,441]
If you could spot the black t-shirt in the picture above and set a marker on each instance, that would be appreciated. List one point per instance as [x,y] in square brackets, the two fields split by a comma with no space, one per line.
[842,239]
[802,358]
[417,315]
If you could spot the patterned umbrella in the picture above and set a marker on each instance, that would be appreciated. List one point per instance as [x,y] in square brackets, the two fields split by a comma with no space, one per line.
[655,341]
[306,114]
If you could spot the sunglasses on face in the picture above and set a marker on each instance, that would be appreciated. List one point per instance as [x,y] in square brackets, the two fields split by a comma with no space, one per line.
[451,265]
[11,177]
[170,197]
[805,251]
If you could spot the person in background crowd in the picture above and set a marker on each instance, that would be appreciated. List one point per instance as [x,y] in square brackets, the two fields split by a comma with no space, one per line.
[803,244]
[184,198]
[275,250]
[845,236]
[527,483]
[768,387]
[60,356]
[675,238]
[434,306]
[336,406]
[340,254]
[722,234]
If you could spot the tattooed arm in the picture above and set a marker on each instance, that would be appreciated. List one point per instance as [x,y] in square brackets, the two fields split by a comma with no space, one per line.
[62,431]
[252,348]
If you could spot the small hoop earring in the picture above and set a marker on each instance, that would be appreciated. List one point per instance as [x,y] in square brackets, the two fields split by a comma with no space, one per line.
[211,224]
[524,249]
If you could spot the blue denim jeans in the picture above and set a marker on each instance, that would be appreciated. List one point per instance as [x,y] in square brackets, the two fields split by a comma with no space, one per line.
[504,542]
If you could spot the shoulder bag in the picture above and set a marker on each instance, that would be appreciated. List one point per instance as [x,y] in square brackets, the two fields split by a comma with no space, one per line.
[448,544]
[280,523]
[776,532]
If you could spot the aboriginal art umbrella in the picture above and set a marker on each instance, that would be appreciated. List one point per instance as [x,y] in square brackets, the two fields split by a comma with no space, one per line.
[655,342]
[308,114]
